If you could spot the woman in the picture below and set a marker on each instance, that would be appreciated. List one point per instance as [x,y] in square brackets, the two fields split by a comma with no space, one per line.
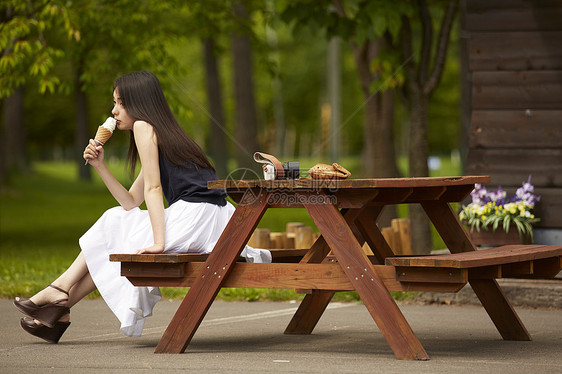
[173,165]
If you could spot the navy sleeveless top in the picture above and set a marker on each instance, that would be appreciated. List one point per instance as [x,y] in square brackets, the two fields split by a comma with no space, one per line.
[188,183]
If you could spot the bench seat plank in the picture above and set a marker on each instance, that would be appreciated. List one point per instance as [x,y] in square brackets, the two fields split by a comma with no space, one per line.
[508,254]
[328,276]
[277,254]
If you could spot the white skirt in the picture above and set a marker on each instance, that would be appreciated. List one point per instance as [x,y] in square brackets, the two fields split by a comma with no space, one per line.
[190,228]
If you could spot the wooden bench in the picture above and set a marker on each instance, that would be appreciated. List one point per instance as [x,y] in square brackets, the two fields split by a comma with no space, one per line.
[441,273]
[181,270]
[510,261]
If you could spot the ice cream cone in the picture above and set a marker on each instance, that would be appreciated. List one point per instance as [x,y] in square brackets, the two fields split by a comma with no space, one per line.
[104,132]
[102,135]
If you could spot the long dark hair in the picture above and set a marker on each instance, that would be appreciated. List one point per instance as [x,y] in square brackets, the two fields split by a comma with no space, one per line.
[143,99]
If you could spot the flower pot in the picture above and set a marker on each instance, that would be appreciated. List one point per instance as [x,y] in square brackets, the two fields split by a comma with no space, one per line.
[490,238]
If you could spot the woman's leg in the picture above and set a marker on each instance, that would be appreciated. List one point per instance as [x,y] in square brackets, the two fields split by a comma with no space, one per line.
[77,293]
[81,290]
[76,279]
[67,280]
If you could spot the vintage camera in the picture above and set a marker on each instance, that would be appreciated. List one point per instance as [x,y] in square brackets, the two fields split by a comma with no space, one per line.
[272,166]
[291,169]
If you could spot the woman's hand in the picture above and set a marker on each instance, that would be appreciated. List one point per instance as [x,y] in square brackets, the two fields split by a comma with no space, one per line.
[156,248]
[94,153]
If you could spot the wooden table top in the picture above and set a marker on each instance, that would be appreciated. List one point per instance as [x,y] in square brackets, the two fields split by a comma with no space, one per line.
[308,183]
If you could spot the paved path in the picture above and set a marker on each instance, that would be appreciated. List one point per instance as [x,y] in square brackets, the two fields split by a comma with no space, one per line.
[248,338]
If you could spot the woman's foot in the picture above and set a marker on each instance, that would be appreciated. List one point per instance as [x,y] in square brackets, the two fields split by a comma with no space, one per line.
[50,294]
[63,319]
[49,334]
[47,312]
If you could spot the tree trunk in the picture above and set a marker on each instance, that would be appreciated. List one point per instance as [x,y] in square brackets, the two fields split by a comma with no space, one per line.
[246,119]
[418,149]
[334,91]
[379,157]
[418,154]
[279,145]
[15,154]
[421,81]
[217,138]
[82,135]
[3,173]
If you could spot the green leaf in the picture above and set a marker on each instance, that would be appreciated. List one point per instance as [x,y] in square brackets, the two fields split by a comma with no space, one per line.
[506,223]
[520,226]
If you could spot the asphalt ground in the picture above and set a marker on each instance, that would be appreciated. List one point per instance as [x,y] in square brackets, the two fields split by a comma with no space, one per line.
[247,337]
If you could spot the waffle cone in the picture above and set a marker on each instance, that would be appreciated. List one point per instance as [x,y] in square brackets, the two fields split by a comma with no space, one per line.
[103,134]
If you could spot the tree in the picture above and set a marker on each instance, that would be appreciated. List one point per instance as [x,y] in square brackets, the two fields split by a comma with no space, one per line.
[370,43]
[97,48]
[246,119]
[379,154]
[132,41]
[380,33]
[423,76]
[368,26]
[13,155]
[209,20]
[27,58]
[27,54]
[217,138]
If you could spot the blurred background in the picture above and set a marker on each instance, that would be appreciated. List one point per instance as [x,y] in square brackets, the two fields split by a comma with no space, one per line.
[299,79]
[373,85]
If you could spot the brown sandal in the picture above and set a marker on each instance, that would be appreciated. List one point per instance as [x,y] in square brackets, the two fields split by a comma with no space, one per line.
[51,335]
[48,314]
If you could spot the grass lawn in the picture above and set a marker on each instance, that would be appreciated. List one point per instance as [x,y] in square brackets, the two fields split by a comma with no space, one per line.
[43,214]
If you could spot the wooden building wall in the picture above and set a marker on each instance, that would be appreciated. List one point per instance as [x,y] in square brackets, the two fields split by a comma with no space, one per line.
[515,84]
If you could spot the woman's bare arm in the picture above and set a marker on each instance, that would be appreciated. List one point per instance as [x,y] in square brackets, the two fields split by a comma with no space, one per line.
[128,199]
[147,147]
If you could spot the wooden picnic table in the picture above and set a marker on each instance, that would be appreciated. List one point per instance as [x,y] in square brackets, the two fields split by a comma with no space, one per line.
[345,212]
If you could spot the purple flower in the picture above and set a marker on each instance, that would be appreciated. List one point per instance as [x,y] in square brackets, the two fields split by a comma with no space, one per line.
[498,196]
[480,196]
[525,193]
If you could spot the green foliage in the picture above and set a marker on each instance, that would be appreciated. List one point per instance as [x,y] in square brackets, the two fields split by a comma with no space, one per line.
[354,21]
[384,65]
[26,52]
[165,36]
[517,214]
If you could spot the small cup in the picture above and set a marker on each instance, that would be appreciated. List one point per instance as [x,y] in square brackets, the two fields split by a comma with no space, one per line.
[268,172]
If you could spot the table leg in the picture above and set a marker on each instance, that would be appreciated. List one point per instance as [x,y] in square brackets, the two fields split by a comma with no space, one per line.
[367,283]
[313,305]
[488,291]
[220,262]
[367,225]
[448,225]
[499,309]
[309,312]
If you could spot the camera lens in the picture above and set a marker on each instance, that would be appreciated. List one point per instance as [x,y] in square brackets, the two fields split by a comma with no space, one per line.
[291,169]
